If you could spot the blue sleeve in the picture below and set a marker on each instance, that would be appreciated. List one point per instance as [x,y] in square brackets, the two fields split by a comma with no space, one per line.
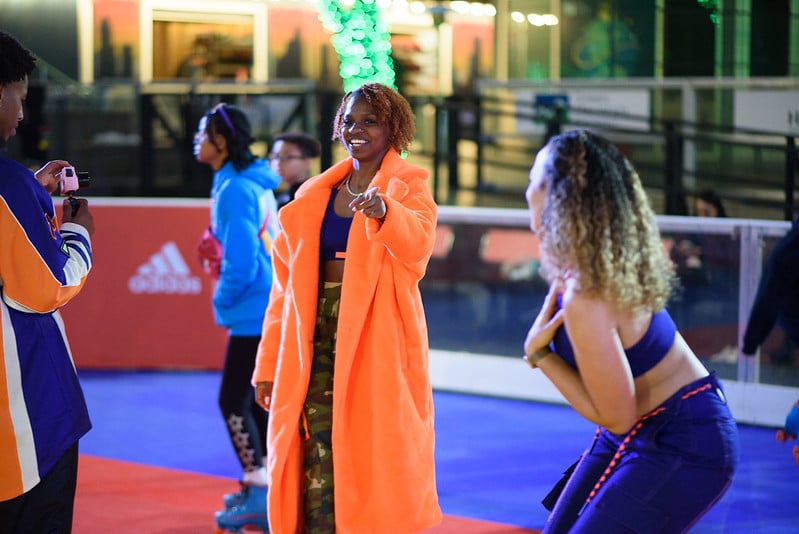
[41,267]
[239,221]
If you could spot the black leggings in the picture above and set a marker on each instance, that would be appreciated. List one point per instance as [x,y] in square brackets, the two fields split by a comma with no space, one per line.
[244,419]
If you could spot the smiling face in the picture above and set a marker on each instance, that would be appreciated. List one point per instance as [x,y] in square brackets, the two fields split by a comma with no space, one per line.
[12,99]
[362,133]
[536,193]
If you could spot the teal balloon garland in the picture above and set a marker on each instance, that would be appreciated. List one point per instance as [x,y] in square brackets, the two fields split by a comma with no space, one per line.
[362,42]
[713,8]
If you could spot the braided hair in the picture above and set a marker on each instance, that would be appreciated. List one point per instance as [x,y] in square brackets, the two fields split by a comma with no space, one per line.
[230,122]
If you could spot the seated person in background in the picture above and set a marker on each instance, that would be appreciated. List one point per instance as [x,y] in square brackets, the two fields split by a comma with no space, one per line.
[707,264]
[708,204]
[689,256]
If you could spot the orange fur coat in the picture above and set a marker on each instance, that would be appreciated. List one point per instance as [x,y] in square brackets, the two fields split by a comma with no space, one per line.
[383,437]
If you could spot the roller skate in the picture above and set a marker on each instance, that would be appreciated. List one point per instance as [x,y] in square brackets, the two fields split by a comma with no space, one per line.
[791,430]
[229,500]
[248,511]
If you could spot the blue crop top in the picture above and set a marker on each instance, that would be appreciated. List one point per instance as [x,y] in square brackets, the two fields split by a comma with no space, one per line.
[643,356]
[334,234]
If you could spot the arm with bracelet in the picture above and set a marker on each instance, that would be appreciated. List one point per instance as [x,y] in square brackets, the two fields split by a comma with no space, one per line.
[537,355]
[598,353]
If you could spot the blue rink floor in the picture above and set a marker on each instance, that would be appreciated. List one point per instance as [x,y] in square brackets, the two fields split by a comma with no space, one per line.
[496,458]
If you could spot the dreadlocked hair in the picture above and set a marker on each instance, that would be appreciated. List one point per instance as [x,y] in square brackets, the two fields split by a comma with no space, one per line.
[600,226]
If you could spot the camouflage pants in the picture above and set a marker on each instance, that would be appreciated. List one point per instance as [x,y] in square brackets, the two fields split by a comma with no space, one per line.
[318,415]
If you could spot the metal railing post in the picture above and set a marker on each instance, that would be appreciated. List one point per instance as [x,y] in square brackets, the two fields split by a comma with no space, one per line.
[675,192]
[791,166]
[146,149]
[452,145]
[749,277]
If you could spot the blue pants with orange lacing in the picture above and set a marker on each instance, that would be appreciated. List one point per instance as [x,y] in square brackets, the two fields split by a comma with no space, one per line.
[660,477]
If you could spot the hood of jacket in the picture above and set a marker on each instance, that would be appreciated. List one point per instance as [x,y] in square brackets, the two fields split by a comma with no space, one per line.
[259,172]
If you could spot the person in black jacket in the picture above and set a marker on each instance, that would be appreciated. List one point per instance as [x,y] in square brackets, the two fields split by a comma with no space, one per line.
[777,299]
[291,157]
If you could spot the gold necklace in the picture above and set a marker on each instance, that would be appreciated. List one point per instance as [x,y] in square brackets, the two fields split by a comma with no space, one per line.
[347,187]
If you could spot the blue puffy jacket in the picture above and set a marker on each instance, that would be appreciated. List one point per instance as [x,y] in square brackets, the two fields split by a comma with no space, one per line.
[244,220]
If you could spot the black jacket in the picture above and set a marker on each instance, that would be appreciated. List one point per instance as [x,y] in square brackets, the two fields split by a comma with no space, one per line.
[777,299]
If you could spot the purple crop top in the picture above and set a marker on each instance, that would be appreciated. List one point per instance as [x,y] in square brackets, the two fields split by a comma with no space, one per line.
[334,234]
[643,356]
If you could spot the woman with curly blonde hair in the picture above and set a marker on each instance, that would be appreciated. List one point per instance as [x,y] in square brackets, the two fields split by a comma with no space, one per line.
[667,445]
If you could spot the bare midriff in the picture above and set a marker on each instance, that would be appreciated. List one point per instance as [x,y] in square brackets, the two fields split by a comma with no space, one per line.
[332,271]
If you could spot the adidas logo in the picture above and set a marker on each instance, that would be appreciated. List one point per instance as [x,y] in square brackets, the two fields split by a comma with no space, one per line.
[165,272]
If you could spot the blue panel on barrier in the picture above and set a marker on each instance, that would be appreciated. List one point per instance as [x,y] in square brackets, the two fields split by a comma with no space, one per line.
[551,100]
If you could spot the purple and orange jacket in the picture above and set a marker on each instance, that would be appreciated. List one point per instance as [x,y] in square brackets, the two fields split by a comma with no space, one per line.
[42,408]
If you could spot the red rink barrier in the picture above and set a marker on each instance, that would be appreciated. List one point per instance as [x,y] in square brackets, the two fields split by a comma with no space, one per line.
[147,302]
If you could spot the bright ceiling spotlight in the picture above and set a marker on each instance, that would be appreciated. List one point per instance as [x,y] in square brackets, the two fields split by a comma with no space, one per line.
[535,19]
[417,8]
[477,9]
[459,6]
[539,20]
[550,19]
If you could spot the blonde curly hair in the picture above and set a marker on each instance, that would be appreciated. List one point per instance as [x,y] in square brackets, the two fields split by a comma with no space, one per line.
[599,226]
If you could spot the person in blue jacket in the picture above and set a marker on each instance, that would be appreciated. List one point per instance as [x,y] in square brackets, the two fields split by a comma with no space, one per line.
[243,225]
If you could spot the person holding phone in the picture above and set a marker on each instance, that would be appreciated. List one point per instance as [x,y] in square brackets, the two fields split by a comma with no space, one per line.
[44,263]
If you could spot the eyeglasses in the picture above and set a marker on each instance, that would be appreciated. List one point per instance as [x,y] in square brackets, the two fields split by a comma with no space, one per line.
[220,108]
[281,159]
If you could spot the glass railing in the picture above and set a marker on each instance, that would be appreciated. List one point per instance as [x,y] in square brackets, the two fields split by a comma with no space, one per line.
[482,291]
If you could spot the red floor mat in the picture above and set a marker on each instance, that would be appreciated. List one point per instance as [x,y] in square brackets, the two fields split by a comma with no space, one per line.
[126,498]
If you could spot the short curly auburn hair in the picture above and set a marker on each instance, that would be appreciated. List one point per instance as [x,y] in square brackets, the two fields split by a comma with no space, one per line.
[392,109]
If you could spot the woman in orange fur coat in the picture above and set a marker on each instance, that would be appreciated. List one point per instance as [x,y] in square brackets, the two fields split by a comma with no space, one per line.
[357,456]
